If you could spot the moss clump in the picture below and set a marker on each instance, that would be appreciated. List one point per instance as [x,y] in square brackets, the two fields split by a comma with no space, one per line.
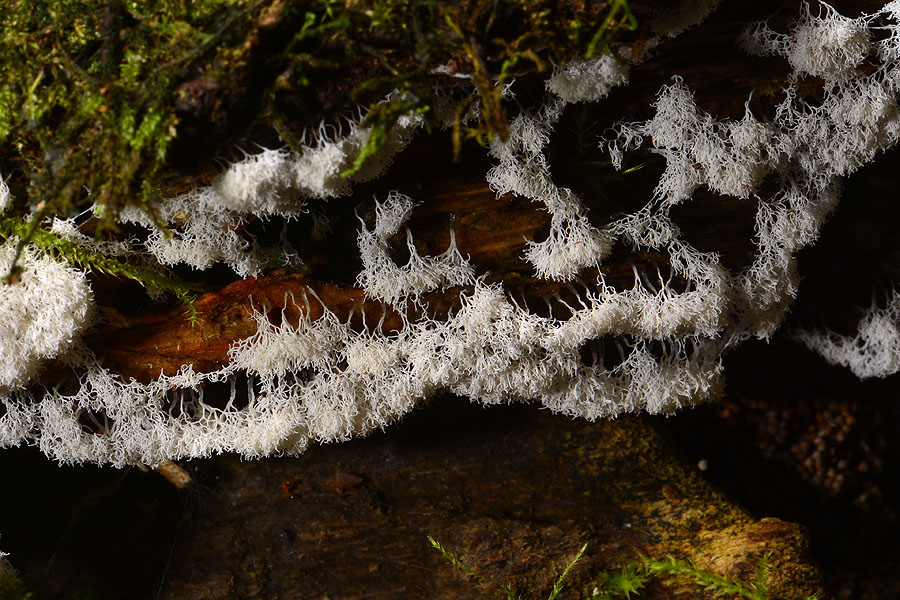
[102,102]
[95,91]
[89,94]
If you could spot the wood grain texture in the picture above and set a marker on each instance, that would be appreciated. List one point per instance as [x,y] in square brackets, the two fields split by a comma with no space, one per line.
[285,528]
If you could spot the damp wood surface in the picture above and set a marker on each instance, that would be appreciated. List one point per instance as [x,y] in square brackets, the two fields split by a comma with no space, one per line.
[351,520]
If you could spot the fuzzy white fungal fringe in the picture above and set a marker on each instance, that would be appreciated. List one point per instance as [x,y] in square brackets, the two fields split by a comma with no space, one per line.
[588,80]
[5,197]
[727,157]
[40,314]
[204,233]
[383,279]
[574,243]
[205,222]
[293,393]
[276,182]
[829,45]
[297,381]
[875,349]
[272,350]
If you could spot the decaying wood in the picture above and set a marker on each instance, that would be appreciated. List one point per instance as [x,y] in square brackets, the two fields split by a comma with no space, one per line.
[351,520]
[173,473]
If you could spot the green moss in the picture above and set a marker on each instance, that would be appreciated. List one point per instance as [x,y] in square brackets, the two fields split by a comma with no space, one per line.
[97,95]
[89,260]
[90,91]
[628,580]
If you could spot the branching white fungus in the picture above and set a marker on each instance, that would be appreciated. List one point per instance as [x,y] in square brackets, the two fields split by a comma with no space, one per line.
[875,349]
[302,380]
[41,312]
[385,280]
[5,196]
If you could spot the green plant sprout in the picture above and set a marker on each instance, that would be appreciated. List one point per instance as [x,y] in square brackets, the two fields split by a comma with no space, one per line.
[505,587]
[628,580]
[711,582]
[619,583]
[619,16]
[78,256]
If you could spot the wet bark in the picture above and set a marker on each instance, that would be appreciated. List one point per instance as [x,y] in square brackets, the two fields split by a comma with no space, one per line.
[351,520]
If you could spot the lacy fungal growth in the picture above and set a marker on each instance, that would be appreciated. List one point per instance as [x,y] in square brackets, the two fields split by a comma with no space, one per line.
[300,378]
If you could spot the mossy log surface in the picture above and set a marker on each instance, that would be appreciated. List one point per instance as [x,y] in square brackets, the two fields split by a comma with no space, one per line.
[512,491]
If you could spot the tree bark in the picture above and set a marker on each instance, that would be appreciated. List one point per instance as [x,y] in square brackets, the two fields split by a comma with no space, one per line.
[351,520]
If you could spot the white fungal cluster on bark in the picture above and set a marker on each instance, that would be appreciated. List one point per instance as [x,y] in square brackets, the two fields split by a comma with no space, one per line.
[321,380]
[875,349]
[383,279]
[42,312]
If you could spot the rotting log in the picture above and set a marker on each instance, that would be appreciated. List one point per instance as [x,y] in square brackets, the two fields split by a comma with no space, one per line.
[351,520]
[357,521]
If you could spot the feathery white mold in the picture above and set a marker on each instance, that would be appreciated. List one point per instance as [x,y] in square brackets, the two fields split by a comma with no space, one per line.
[383,279]
[42,311]
[299,381]
[875,349]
